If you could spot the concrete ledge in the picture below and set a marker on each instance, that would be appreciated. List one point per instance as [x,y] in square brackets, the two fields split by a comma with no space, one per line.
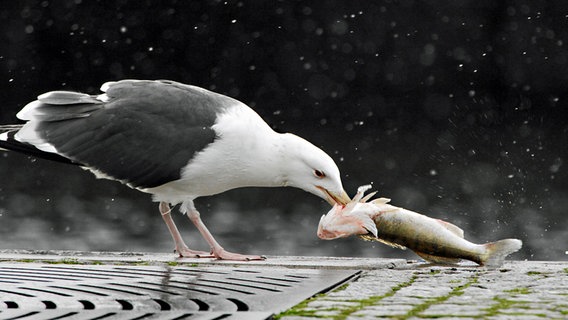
[130,285]
[81,257]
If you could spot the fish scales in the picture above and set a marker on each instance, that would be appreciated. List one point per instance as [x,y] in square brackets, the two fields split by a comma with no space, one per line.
[432,239]
[423,234]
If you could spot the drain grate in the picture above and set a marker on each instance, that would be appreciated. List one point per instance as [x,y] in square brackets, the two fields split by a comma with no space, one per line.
[41,291]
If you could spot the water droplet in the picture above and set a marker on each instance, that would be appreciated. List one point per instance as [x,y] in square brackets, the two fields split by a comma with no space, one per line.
[555,167]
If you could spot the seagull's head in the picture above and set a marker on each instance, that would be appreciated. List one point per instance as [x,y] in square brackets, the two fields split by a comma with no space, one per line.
[311,169]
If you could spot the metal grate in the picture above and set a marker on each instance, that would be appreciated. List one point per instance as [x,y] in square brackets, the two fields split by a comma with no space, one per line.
[42,291]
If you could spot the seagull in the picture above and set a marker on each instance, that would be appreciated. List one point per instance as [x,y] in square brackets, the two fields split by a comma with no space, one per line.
[174,141]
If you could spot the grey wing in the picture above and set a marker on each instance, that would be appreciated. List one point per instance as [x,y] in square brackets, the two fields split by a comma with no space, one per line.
[141,133]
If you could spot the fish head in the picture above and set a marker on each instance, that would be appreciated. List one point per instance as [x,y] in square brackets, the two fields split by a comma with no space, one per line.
[345,221]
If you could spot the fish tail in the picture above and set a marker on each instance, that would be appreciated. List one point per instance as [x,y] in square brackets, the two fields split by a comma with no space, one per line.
[497,251]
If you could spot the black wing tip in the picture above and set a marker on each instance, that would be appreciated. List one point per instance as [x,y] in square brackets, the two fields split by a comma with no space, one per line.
[8,142]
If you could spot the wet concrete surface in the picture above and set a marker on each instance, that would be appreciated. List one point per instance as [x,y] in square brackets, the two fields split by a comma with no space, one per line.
[517,290]
[370,288]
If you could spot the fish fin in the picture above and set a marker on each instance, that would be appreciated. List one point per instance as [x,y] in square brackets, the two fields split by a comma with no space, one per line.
[391,244]
[369,237]
[364,188]
[451,227]
[497,251]
[367,197]
[381,201]
[437,259]
[370,226]
[360,192]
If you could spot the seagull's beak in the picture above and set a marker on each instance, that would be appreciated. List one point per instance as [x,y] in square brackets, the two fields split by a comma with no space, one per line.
[341,198]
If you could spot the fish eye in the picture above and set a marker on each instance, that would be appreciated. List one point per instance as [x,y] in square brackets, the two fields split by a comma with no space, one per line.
[319,174]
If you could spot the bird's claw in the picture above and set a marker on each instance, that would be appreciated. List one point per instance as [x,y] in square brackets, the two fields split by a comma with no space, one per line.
[259,258]
[222,254]
[185,252]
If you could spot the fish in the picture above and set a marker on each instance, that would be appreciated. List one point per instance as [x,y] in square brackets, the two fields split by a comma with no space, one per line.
[434,240]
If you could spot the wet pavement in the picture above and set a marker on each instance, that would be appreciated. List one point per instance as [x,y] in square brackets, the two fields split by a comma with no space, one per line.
[369,288]
[517,290]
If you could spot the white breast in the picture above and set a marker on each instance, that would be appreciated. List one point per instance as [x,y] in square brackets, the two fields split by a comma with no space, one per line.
[242,156]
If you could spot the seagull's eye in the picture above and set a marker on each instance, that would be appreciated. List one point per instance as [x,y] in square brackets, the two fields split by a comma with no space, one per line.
[319,174]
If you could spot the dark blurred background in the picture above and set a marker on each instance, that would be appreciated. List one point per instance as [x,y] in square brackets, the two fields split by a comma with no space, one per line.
[454,109]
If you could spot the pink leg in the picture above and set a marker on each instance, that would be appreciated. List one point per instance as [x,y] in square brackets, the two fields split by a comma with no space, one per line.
[216,249]
[181,248]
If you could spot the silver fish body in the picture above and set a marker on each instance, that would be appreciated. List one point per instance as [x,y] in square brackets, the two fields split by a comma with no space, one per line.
[432,239]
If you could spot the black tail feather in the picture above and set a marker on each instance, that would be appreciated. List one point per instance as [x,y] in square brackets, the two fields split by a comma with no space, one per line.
[8,142]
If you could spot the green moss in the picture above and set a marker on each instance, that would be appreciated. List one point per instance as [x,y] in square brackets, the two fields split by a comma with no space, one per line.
[70,261]
[64,261]
[564,310]
[341,287]
[457,291]
[178,264]
[520,290]
[98,262]
[502,304]
[302,310]
[370,301]
[26,260]
[61,261]
[538,273]
[499,305]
